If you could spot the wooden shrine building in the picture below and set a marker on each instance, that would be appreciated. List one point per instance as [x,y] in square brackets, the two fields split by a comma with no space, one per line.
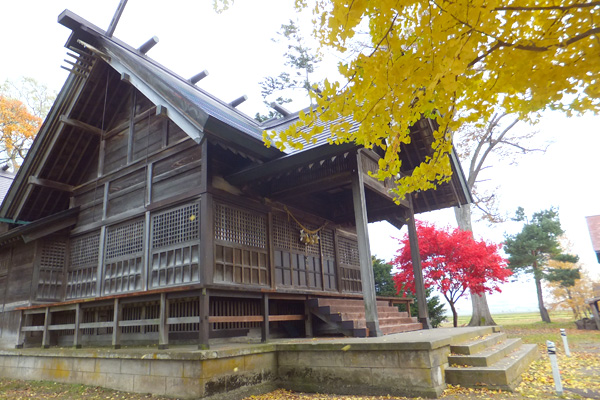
[149,211]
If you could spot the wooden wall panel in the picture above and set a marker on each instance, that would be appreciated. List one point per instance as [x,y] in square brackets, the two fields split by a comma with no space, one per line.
[115,153]
[148,136]
[91,204]
[177,174]
[175,134]
[20,273]
[126,193]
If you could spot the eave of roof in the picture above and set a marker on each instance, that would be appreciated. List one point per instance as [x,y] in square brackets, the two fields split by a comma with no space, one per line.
[52,223]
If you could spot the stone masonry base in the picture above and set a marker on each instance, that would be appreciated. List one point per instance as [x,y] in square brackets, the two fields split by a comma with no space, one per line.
[396,365]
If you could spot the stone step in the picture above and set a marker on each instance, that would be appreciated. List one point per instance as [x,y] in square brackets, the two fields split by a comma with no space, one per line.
[477,344]
[471,333]
[486,357]
[504,374]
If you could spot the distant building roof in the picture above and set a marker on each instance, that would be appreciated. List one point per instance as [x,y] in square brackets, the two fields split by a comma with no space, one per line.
[6,179]
[594,227]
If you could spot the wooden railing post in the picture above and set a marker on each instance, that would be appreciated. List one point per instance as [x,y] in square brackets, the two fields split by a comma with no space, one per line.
[163,327]
[265,312]
[308,328]
[78,321]
[23,321]
[203,326]
[46,333]
[116,334]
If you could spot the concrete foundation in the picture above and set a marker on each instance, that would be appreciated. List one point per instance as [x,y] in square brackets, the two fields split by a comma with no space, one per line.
[410,363]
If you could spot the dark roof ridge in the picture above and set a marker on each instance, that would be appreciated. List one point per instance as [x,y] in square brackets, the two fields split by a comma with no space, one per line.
[73,21]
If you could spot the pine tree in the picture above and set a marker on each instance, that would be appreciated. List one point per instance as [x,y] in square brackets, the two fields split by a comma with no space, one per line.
[530,250]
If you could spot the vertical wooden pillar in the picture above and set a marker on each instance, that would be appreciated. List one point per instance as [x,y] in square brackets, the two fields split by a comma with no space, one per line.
[417,269]
[163,327]
[338,269]
[147,253]
[24,321]
[46,333]
[265,312]
[116,334]
[207,238]
[78,321]
[203,328]
[364,251]
[308,327]
[271,250]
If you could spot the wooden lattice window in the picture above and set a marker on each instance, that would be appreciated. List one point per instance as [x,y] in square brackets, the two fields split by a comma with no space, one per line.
[124,239]
[52,262]
[240,246]
[327,243]
[350,264]
[177,225]
[83,266]
[328,250]
[123,259]
[175,258]
[239,226]
[286,235]
[348,251]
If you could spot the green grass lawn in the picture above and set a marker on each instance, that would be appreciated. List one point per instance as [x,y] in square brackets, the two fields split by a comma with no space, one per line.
[519,318]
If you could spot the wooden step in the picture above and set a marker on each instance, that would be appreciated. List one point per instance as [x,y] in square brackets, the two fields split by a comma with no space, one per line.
[504,374]
[349,316]
[409,327]
[322,301]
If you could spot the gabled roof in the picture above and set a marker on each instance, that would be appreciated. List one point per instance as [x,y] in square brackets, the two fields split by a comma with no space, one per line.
[594,228]
[190,107]
[60,150]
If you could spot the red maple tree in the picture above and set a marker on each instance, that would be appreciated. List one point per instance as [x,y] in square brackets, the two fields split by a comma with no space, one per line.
[453,262]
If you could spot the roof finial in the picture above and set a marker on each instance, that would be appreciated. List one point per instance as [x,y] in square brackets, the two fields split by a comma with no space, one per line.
[116,17]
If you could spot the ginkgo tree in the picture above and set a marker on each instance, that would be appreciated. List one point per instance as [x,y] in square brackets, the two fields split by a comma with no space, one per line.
[453,262]
[453,62]
[18,127]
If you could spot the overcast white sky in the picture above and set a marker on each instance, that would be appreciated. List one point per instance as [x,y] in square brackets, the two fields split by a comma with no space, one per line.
[236,49]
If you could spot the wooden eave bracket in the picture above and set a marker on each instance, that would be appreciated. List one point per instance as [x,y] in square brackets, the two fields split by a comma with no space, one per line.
[47,183]
[81,125]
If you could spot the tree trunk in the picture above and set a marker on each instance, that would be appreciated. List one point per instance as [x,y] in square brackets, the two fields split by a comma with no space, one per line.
[538,285]
[481,315]
[454,314]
